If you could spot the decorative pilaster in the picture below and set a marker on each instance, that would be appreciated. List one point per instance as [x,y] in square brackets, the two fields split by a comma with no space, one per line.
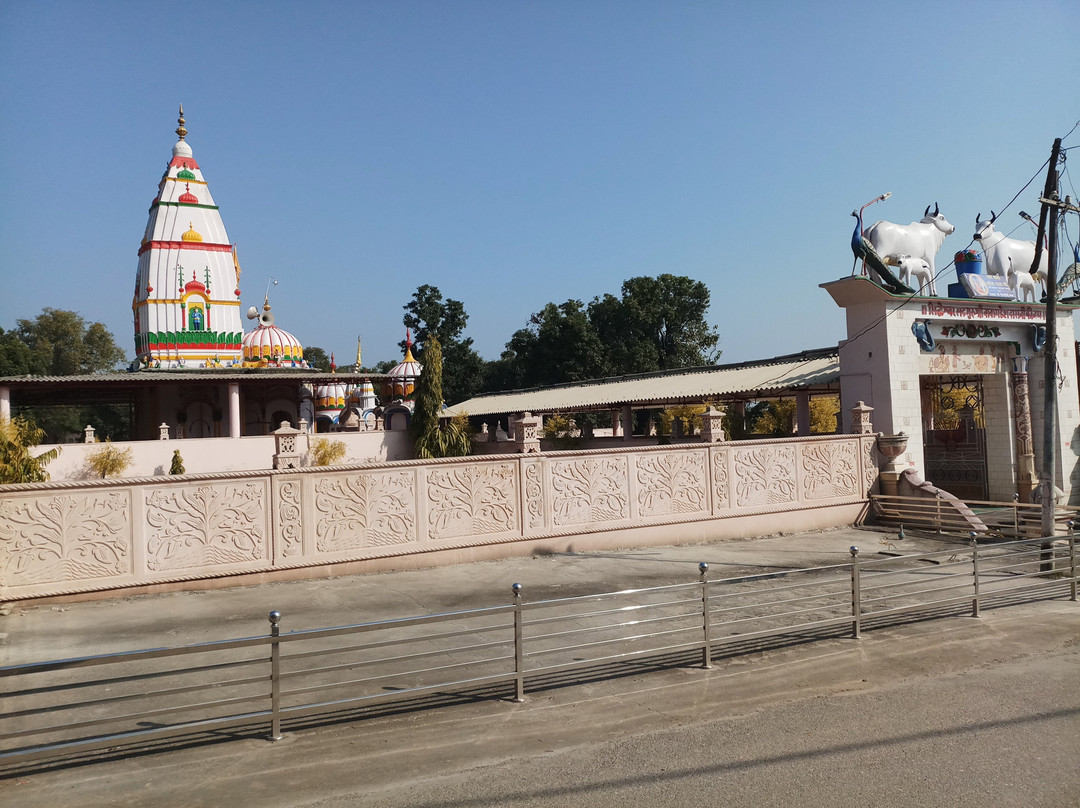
[1026,479]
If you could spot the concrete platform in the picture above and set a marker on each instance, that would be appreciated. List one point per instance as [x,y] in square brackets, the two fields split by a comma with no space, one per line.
[956,711]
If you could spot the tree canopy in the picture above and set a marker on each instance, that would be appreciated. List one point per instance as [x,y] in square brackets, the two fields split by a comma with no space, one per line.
[429,316]
[655,324]
[62,343]
[317,358]
[58,343]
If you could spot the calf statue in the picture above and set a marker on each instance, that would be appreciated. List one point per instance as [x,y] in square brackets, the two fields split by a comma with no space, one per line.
[916,268]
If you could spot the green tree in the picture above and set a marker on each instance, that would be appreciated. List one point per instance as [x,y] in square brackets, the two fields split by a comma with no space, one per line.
[16,358]
[434,438]
[18,464]
[317,358]
[559,345]
[62,344]
[657,324]
[429,315]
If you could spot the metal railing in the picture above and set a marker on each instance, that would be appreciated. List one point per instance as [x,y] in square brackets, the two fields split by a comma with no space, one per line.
[257,685]
[1015,520]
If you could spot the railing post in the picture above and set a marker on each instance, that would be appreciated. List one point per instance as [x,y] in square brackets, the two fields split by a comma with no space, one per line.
[937,510]
[275,676]
[706,650]
[519,649]
[1016,516]
[856,595]
[1072,562]
[975,573]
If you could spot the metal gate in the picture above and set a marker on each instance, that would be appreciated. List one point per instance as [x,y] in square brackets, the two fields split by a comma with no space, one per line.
[954,434]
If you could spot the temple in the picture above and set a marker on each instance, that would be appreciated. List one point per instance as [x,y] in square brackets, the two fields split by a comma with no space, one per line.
[186,304]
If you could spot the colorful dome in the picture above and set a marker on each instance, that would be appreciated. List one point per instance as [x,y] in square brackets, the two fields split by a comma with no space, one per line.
[191,235]
[332,396]
[403,376]
[188,198]
[270,344]
[184,174]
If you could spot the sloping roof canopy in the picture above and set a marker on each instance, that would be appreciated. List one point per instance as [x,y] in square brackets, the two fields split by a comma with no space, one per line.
[816,370]
[98,388]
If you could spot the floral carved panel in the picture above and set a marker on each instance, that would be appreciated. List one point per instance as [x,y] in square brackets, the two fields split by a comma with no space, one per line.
[209,525]
[764,475]
[721,487]
[289,526]
[372,509]
[65,537]
[671,483]
[588,490]
[830,470]
[466,500]
[534,494]
[870,466]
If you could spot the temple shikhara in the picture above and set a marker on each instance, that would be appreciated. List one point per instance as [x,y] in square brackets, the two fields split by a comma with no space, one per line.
[186,304]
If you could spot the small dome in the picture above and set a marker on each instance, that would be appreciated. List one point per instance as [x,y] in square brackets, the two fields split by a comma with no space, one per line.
[191,235]
[187,197]
[332,396]
[408,368]
[184,174]
[181,149]
[268,343]
[403,376]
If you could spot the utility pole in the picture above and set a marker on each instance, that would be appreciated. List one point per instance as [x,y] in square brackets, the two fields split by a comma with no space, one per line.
[1049,466]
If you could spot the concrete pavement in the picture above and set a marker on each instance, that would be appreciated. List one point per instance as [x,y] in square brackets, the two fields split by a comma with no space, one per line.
[956,711]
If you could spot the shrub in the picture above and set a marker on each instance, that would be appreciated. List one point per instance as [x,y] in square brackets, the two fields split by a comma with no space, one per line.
[17,465]
[109,460]
[326,452]
[177,465]
[561,431]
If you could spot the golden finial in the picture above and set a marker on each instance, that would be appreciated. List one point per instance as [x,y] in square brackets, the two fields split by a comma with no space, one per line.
[180,130]
[358,353]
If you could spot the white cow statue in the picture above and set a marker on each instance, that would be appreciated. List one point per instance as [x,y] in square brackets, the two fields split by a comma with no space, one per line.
[921,239]
[909,267]
[1004,253]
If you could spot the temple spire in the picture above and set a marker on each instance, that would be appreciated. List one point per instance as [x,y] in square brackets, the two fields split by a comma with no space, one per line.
[180,130]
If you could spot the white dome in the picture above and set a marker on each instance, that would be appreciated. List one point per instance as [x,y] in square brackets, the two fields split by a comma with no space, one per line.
[181,149]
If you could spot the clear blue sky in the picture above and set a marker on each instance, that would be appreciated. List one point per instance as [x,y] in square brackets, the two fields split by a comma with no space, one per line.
[515,153]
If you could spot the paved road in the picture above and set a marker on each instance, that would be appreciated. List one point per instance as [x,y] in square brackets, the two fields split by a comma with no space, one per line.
[958,712]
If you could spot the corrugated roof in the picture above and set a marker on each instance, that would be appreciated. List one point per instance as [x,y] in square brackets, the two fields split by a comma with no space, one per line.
[807,370]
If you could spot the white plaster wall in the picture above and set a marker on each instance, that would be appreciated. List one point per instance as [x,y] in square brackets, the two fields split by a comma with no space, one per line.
[209,455]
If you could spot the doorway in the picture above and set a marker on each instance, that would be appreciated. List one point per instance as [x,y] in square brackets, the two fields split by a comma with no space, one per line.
[954,434]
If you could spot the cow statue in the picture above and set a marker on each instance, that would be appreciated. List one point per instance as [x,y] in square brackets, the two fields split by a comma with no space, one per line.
[921,239]
[1004,254]
[909,267]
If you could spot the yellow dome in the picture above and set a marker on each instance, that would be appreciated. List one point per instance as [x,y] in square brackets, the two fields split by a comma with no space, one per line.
[191,235]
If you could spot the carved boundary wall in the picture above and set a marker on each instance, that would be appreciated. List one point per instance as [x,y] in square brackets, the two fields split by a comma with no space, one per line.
[74,537]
